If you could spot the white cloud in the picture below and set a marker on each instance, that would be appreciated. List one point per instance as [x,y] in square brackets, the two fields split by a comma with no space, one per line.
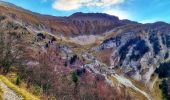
[106,6]
[118,12]
[66,4]
[76,4]
[151,20]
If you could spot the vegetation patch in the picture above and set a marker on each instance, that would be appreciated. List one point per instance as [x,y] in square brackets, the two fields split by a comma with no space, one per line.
[104,56]
[155,42]
[164,87]
[1,93]
[163,70]
[22,92]
[139,50]
[125,48]
[2,18]
[74,77]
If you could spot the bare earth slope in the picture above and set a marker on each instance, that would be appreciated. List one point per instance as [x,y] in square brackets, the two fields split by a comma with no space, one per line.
[8,93]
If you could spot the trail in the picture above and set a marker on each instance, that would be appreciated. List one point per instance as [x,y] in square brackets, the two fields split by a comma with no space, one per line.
[153,83]
[128,83]
[123,80]
[8,93]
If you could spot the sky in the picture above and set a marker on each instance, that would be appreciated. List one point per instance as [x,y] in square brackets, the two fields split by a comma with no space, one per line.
[144,11]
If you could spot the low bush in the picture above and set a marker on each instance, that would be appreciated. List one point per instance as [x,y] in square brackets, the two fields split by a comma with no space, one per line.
[74,77]
[18,81]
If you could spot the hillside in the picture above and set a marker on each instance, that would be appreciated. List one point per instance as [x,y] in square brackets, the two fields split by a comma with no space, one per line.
[11,91]
[84,56]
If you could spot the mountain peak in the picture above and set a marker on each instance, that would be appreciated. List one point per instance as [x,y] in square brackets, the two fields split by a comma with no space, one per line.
[94,15]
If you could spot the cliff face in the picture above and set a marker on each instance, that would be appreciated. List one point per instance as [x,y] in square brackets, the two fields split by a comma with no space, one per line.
[139,49]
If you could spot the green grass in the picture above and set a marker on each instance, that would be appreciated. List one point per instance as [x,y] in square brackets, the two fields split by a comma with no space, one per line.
[1,93]
[26,95]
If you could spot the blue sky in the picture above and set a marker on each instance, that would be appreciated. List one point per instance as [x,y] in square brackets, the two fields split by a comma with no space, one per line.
[144,11]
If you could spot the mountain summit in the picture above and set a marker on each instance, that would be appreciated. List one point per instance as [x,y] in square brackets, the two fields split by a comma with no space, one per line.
[78,23]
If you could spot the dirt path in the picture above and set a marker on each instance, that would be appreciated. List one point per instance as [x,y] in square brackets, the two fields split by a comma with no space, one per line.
[128,83]
[153,83]
[8,93]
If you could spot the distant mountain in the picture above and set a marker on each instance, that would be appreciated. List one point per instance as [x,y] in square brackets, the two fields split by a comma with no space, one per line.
[78,23]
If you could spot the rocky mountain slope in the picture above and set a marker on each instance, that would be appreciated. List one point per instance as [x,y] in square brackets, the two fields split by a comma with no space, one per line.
[116,56]
[139,49]
[77,23]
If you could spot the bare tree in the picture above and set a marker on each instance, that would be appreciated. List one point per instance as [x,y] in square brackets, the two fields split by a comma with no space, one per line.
[11,50]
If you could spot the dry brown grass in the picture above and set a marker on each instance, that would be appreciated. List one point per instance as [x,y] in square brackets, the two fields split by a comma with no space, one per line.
[156,92]
[136,95]
[104,56]
[1,93]
[139,84]
[114,80]
[12,76]
[26,95]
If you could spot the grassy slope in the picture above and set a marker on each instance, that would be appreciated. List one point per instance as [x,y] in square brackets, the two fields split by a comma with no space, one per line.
[1,93]
[134,94]
[22,92]
[156,91]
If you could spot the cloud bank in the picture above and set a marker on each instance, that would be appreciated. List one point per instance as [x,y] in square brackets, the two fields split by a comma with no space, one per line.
[117,12]
[76,4]
[106,6]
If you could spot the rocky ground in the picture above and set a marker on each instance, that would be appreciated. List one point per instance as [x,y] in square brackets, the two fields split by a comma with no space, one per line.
[8,93]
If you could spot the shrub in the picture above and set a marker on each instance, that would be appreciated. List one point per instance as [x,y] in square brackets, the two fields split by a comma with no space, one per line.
[41,35]
[164,88]
[38,90]
[65,64]
[73,59]
[53,39]
[155,42]
[80,71]
[2,18]
[163,70]
[75,77]
[166,55]
[18,81]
